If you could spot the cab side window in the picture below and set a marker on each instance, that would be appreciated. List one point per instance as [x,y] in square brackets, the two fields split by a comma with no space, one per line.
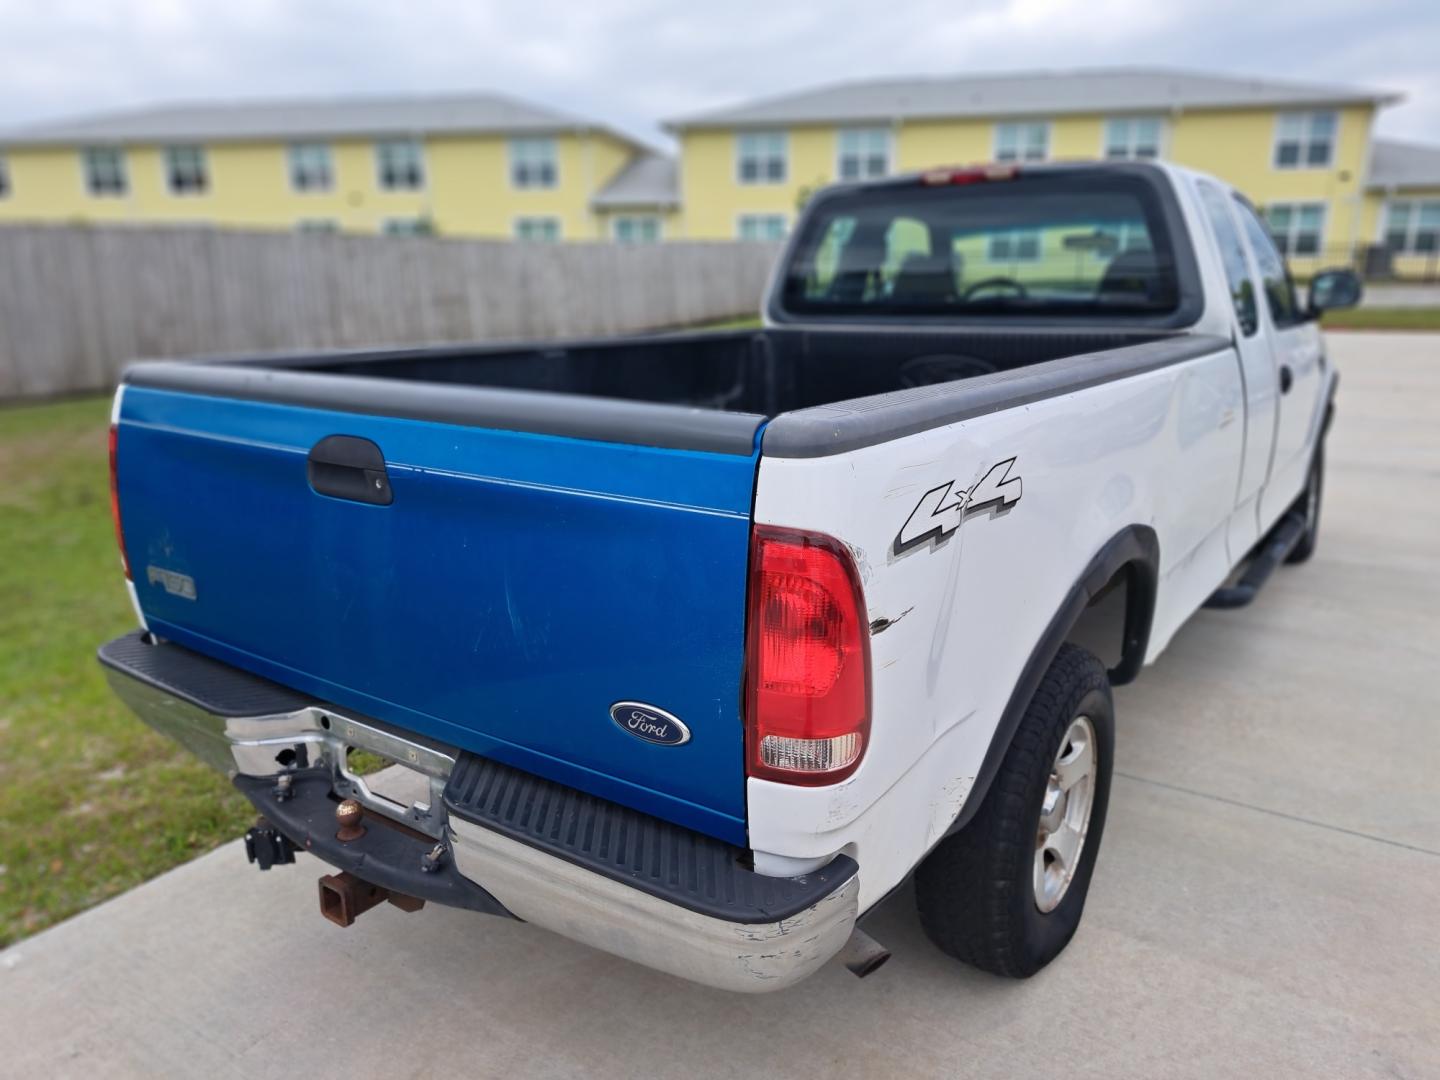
[1232,254]
[1274,276]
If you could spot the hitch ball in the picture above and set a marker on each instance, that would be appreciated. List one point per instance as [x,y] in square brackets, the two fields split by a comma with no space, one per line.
[347,817]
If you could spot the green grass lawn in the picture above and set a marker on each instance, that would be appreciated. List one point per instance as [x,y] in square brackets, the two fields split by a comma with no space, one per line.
[1378,318]
[91,801]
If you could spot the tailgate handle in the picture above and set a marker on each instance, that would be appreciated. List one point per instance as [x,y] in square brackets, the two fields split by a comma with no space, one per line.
[345,467]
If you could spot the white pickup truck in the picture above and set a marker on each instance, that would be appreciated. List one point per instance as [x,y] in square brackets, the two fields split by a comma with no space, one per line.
[698,646]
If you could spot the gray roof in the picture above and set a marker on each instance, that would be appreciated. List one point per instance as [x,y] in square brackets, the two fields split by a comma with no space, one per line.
[359,117]
[648,180]
[1403,164]
[1035,93]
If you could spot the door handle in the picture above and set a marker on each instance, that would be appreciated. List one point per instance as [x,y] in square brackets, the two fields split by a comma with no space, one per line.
[345,467]
[1287,378]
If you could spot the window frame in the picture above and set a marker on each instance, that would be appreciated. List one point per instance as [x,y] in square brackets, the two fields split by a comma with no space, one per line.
[762,177]
[1305,141]
[1287,248]
[1415,208]
[1297,314]
[654,219]
[1019,127]
[520,221]
[88,174]
[1130,142]
[293,167]
[858,130]
[168,161]
[1223,207]
[421,172]
[515,162]
[758,215]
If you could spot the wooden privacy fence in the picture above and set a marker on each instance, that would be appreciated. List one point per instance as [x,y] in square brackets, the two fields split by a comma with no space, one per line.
[79,303]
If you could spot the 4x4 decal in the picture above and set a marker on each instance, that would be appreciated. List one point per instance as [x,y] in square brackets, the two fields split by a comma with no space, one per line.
[941,509]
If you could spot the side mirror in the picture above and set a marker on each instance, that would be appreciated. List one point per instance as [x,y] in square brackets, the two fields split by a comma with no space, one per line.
[1330,289]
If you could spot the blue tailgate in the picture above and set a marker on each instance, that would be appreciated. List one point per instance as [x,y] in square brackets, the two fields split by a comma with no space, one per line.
[517,586]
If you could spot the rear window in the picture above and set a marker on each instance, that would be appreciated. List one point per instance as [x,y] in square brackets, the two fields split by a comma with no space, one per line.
[1038,245]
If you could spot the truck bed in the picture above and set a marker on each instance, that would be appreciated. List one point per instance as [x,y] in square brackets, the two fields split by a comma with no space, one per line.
[746,376]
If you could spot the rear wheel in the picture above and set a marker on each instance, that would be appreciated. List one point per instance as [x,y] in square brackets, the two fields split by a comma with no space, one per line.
[1309,505]
[1007,891]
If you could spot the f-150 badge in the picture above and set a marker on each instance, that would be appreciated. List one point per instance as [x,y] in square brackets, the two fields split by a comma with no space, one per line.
[942,509]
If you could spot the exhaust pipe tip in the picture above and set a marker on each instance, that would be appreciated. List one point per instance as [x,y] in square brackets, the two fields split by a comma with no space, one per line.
[862,954]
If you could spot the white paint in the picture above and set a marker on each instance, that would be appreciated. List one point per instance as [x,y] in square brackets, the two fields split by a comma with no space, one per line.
[1161,449]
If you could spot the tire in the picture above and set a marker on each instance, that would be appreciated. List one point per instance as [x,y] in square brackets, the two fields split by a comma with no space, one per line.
[1309,503]
[976,891]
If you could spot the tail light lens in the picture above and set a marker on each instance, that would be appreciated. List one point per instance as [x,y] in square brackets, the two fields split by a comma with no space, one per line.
[115,501]
[807,660]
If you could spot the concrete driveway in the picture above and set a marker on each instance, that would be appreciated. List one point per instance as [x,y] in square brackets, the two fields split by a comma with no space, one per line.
[1267,902]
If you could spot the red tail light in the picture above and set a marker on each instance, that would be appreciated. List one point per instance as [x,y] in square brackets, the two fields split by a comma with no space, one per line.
[115,502]
[807,709]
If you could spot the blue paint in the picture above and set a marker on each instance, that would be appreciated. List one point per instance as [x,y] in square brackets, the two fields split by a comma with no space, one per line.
[517,587]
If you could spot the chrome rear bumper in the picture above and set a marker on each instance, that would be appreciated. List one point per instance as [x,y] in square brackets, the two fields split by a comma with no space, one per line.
[752,952]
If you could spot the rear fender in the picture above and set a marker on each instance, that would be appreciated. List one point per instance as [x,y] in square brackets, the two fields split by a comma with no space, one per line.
[1134,550]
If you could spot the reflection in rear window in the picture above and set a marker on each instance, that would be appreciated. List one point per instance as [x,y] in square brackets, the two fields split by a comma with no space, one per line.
[1038,245]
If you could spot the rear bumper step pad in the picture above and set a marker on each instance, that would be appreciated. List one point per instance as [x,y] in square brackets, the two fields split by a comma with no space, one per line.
[674,864]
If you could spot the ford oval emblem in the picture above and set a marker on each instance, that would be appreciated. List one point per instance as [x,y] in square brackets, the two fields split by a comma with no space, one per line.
[649,723]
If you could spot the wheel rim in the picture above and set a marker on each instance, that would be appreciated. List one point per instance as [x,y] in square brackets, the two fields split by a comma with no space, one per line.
[1065,814]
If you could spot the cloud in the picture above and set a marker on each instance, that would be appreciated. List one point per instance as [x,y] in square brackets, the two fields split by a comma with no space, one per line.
[634,62]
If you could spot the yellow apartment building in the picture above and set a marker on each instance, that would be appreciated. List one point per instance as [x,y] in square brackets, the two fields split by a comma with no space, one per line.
[1304,153]
[480,165]
[1402,209]
[485,165]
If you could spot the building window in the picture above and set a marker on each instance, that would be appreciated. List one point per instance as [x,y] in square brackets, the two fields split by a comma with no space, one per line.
[310,167]
[533,163]
[4,177]
[1134,138]
[1304,140]
[1029,141]
[637,229]
[1413,227]
[185,171]
[1014,247]
[104,170]
[768,227]
[399,164]
[760,157]
[1298,228]
[324,226]
[864,153]
[543,230]
[407,226]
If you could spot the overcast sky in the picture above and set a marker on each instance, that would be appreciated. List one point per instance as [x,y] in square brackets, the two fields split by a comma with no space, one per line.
[633,62]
